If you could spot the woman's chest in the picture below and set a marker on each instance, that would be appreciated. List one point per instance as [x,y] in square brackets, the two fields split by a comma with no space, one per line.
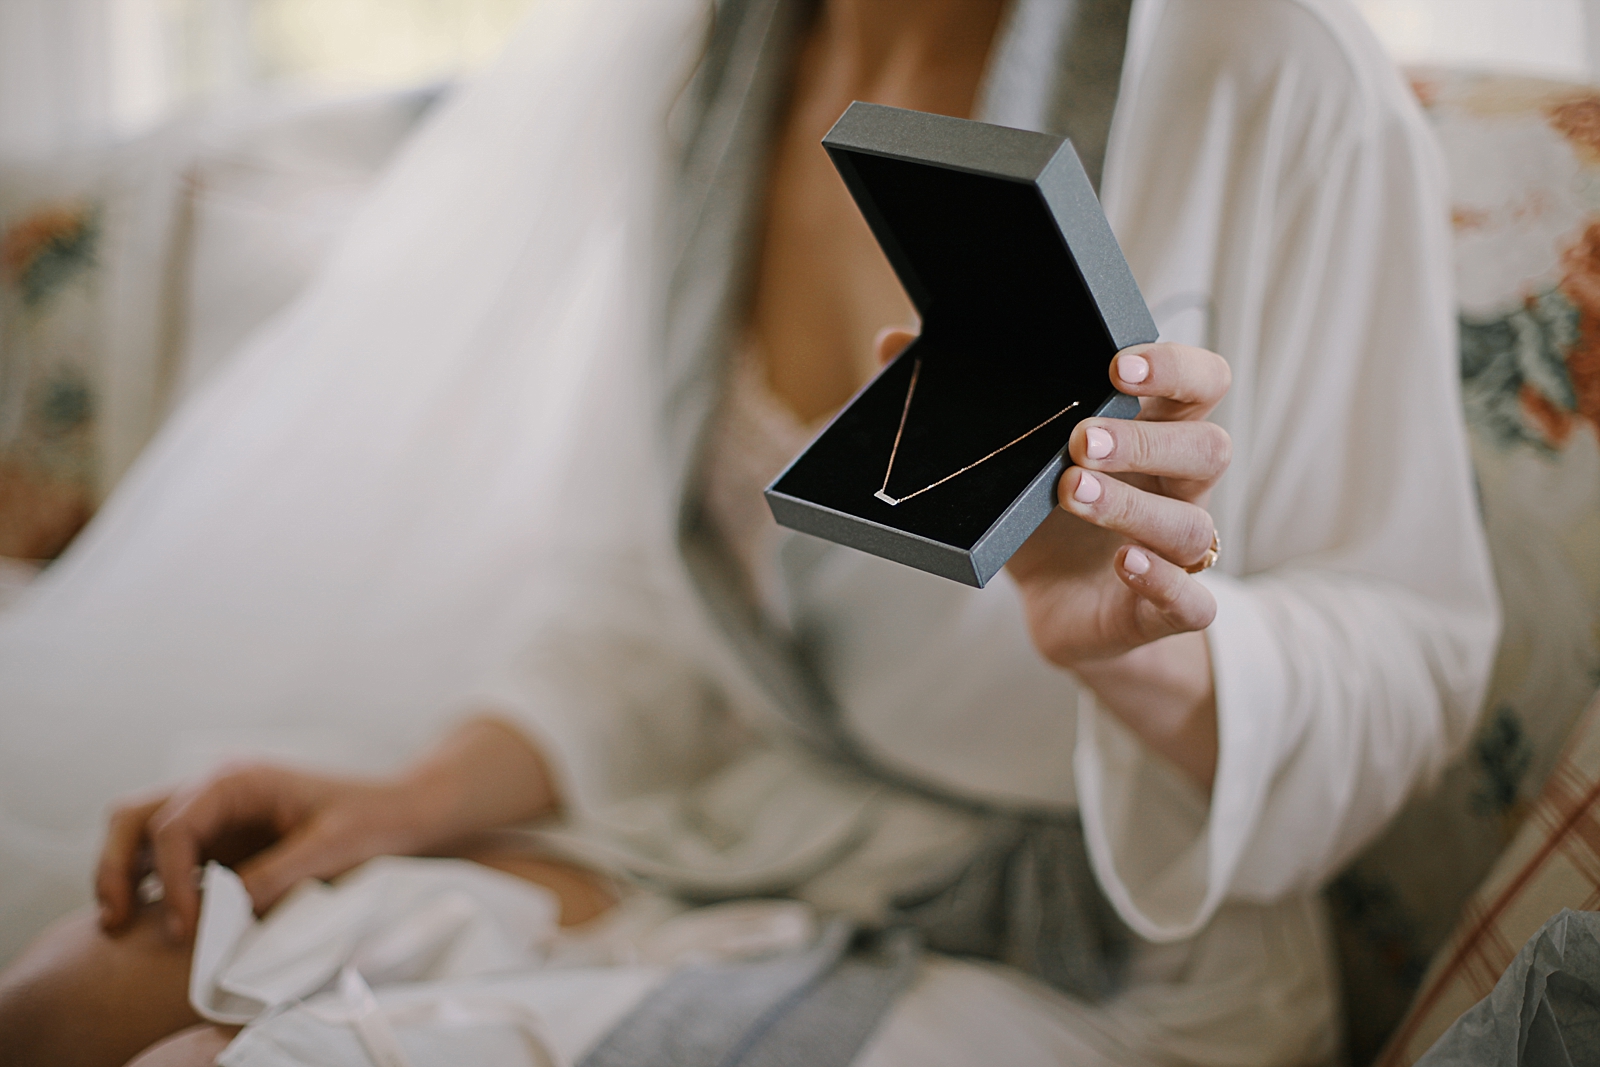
[823,288]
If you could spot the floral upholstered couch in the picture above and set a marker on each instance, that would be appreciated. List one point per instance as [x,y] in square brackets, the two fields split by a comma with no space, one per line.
[47,461]
[1524,161]
[128,274]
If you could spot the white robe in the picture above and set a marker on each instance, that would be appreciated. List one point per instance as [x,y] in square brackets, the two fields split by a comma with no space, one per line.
[464,398]
[1280,200]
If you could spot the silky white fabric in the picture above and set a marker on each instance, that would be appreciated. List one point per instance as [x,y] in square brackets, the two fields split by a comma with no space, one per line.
[394,920]
[423,962]
[446,451]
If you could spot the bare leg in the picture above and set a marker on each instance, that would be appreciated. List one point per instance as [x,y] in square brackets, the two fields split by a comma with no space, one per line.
[198,1046]
[78,997]
[584,894]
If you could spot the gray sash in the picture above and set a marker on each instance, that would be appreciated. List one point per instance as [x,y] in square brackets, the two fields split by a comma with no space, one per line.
[815,1008]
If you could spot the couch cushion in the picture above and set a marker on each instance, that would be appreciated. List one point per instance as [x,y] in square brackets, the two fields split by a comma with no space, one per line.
[49,285]
[1552,863]
[1524,160]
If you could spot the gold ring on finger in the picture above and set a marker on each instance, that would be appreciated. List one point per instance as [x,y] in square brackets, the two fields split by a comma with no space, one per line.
[1208,560]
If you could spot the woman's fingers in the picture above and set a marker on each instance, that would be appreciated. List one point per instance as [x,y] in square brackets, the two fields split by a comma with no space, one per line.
[326,847]
[118,869]
[1174,382]
[320,827]
[1190,452]
[177,833]
[181,830]
[891,341]
[311,853]
[1175,529]
[1173,601]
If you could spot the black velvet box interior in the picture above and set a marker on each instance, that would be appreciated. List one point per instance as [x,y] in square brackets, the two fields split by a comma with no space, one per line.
[1024,297]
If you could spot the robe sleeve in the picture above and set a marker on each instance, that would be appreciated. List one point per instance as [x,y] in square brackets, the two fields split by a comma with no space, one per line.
[1357,615]
[611,691]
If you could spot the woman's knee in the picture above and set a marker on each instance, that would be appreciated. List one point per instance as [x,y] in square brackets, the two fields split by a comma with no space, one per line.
[582,893]
[198,1046]
[78,997]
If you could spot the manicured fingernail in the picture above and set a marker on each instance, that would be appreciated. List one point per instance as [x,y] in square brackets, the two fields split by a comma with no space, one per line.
[1099,443]
[174,926]
[1133,369]
[1136,562]
[1088,490]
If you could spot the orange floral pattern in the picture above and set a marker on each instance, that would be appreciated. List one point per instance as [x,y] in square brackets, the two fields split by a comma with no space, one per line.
[1578,120]
[47,248]
[47,449]
[1581,285]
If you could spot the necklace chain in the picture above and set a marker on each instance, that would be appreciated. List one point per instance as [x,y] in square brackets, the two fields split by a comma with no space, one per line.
[883,493]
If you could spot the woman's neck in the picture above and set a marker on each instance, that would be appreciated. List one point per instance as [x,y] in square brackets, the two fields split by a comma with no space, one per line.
[823,287]
[887,49]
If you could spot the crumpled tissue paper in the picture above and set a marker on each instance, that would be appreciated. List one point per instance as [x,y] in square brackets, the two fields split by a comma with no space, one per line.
[1544,1011]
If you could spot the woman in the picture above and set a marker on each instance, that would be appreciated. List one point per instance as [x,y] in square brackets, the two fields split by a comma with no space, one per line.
[724,710]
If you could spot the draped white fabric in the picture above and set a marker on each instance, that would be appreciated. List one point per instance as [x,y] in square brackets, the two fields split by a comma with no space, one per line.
[325,546]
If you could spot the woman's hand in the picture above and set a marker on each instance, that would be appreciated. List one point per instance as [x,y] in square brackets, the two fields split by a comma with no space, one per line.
[311,826]
[280,826]
[1107,572]
[1104,579]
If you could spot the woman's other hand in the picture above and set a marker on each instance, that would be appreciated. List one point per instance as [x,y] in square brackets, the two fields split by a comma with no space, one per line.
[278,826]
[311,826]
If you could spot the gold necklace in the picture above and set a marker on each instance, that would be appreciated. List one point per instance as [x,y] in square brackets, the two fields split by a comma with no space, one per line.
[883,493]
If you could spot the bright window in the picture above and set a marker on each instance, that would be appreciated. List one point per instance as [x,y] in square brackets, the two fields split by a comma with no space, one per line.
[1547,37]
[170,55]
[363,44]
[80,72]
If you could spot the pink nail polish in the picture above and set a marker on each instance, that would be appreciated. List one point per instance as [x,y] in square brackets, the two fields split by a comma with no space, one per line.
[1136,562]
[1088,490]
[1098,445]
[1133,369]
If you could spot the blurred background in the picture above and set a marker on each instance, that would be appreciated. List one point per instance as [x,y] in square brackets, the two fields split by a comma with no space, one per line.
[75,72]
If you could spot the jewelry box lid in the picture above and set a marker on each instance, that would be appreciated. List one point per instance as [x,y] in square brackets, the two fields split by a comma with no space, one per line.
[982,221]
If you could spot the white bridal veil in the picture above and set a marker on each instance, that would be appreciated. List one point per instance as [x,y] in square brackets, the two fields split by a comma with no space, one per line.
[325,548]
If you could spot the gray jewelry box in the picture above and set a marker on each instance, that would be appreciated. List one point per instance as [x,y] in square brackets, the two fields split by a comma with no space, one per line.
[1024,297]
